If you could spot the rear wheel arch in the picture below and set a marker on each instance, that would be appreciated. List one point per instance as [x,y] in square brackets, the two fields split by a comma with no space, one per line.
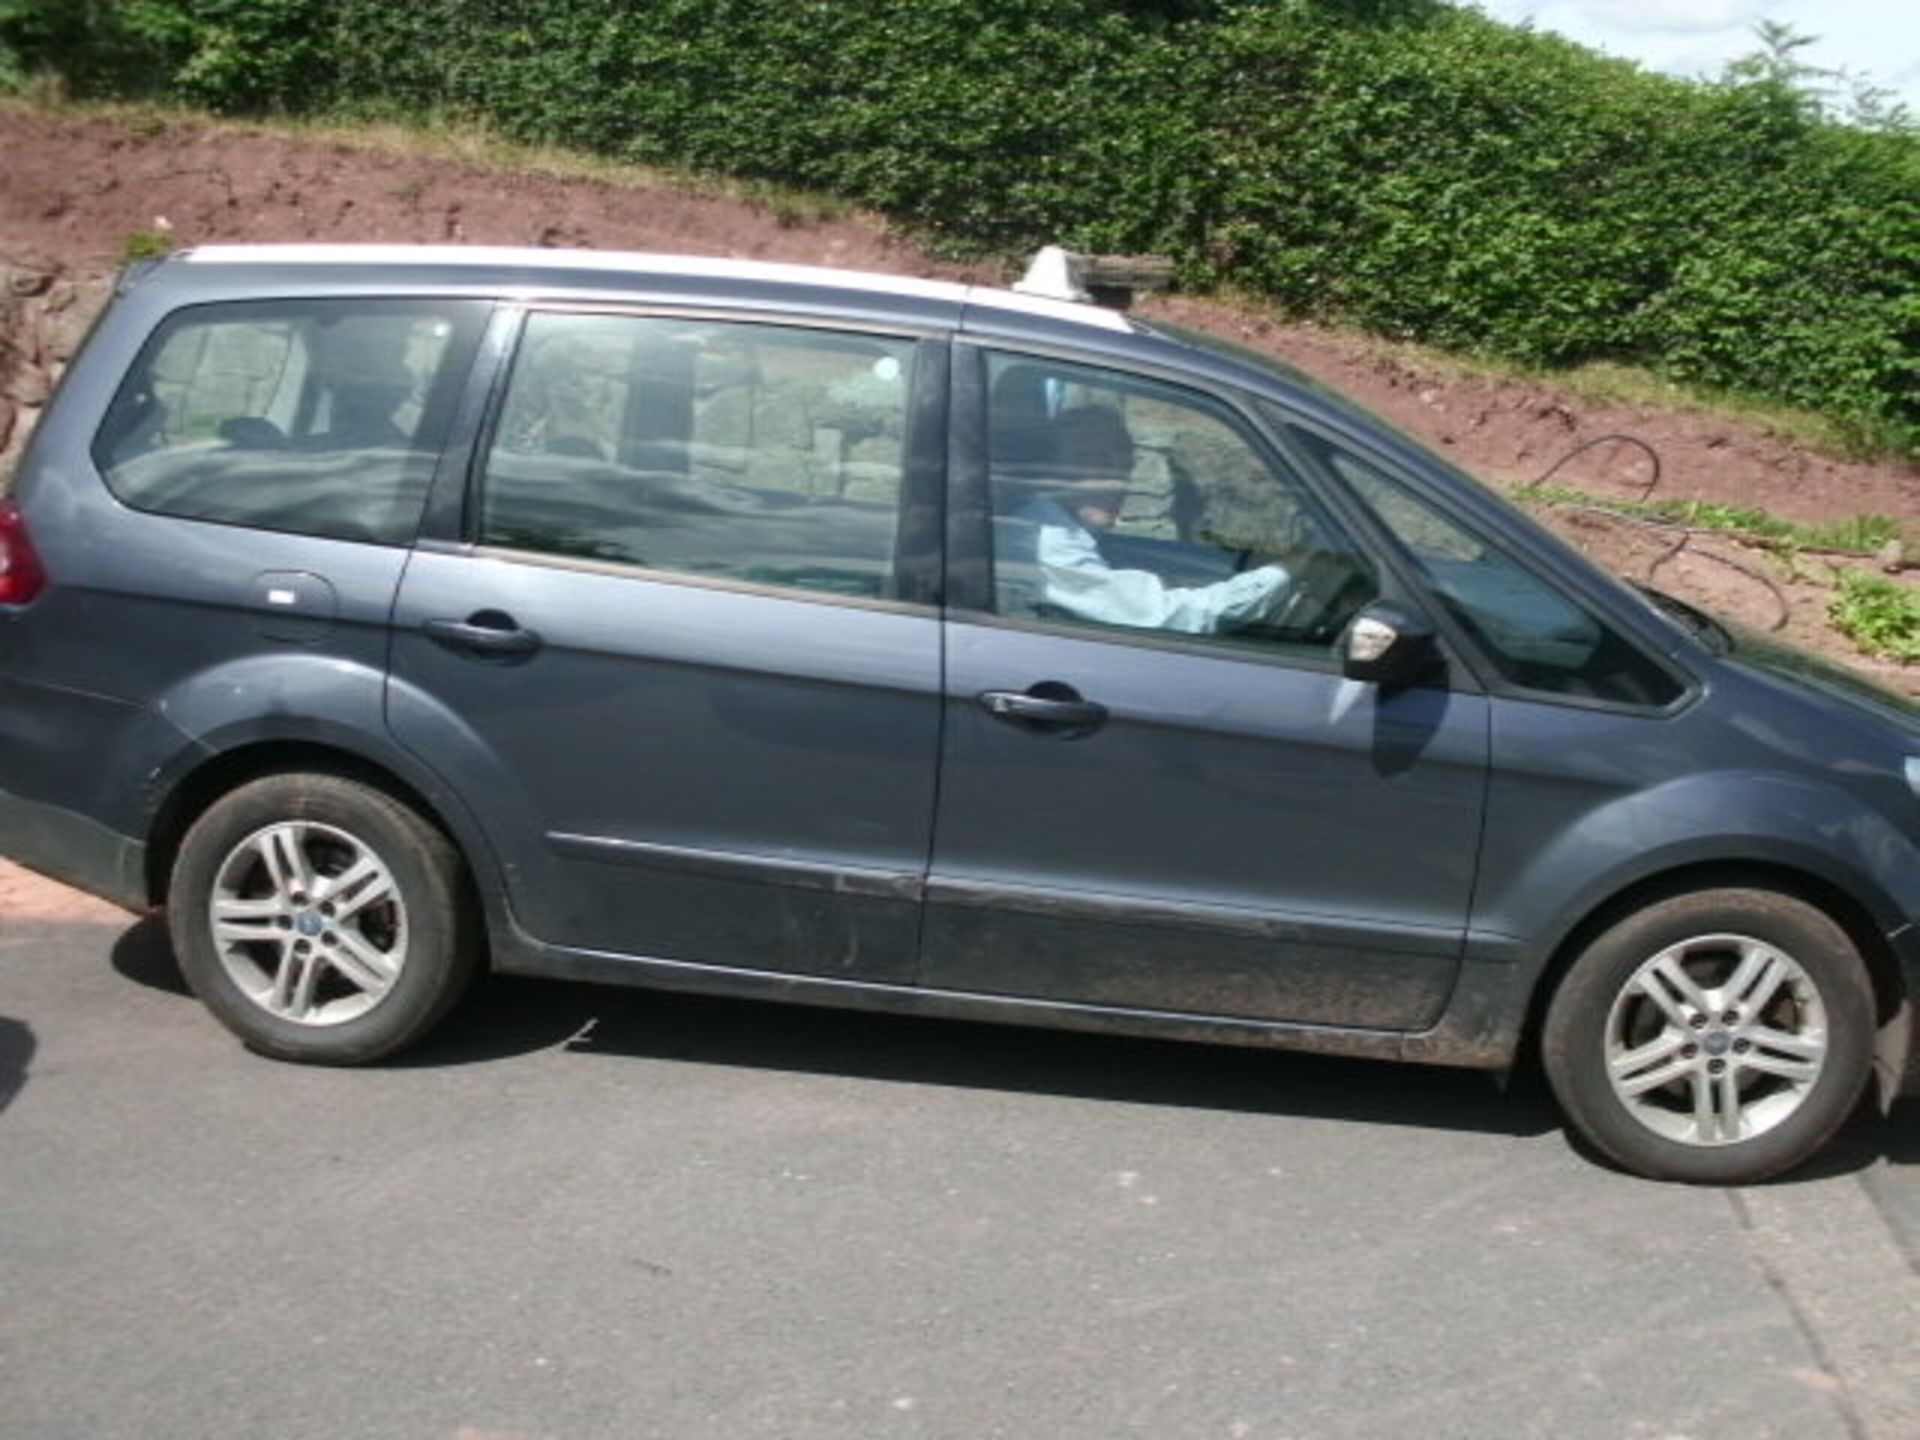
[321,918]
[193,793]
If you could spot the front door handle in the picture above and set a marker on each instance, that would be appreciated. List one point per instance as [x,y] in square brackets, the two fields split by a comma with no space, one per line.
[490,633]
[1048,706]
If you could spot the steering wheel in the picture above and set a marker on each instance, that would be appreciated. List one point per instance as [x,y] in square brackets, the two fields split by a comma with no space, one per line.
[1318,581]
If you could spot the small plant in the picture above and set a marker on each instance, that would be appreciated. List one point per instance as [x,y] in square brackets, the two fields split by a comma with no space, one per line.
[1863,534]
[1852,534]
[791,209]
[1881,616]
[146,245]
[148,122]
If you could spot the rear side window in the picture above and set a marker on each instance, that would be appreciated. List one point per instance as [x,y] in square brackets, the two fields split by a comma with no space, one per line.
[318,417]
[767,454]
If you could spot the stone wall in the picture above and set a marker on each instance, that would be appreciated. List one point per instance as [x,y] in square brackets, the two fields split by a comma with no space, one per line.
[45,310]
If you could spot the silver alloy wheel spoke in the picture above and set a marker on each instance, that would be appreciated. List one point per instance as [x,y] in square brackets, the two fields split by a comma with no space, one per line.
[308,922]
[1704,1122]
[361,963]
[286,861]
[1779,1042]
[240,921]
[367,883]
[1801,1070]
[293,982]
[1676,1069]
[1754,984]
[1672,989]
[1715,1040]
[1729,1117]
[1651,1064]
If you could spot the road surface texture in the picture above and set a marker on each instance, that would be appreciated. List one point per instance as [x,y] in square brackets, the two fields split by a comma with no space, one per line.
[587,1213]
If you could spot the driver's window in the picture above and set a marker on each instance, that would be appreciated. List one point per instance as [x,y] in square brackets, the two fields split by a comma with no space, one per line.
[1119,502]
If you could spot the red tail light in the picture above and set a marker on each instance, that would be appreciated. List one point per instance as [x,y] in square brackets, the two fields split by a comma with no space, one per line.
[21,575]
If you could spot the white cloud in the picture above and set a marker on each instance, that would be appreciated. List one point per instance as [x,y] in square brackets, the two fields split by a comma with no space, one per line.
[1671,17]
[1874,40]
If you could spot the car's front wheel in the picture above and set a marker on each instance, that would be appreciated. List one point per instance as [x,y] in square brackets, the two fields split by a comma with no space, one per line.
[1717,1037]
[320,919]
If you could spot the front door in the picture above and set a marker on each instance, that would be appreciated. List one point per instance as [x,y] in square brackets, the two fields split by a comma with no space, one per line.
[1158,793]
[688,671]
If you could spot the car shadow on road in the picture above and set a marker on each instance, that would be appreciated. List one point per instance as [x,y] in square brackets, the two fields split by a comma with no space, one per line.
[506,1016]
[16,1054]
[1868,1136]
[144,955]
[509,1016]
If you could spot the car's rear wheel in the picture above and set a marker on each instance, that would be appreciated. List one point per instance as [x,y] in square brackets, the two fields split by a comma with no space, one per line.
[1717,1037]
[320,919]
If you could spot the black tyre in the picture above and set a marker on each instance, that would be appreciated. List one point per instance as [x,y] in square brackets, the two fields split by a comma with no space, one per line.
[320,919]
[1717,1037]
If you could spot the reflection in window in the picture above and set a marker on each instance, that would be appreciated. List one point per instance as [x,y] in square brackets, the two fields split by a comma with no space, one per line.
[1537,635]
[1125,503]
[747,452]
[317,417]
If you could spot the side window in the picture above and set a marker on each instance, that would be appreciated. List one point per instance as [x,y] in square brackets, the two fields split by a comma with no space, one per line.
[762,453]
[1539,637]
[319,417]
[1121,502]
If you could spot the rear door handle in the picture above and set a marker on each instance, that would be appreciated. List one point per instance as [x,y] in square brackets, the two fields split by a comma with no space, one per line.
[1049,706]
[490,633]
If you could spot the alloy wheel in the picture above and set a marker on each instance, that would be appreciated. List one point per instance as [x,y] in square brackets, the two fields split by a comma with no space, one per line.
[308,922]
[1716,1039]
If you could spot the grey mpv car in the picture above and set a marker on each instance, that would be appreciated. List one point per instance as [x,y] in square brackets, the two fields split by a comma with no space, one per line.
[388,614]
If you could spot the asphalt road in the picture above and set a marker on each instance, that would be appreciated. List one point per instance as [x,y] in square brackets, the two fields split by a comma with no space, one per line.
[587,1213]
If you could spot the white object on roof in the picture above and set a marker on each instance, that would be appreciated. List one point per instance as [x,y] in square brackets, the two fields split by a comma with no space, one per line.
[1055,274]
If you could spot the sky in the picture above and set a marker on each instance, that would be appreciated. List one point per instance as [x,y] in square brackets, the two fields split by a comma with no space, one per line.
[1877,40]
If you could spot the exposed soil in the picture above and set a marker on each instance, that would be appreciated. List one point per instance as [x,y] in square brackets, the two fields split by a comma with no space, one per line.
[26,898]
[74,189]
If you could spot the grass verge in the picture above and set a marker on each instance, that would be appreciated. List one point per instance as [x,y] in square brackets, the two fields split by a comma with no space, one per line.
[1849,534]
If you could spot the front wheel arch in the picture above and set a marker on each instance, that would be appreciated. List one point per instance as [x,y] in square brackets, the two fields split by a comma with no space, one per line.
[1883,965]
[1646,1037]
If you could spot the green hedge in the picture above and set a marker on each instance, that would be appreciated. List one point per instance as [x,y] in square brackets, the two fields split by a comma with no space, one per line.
[1402,163]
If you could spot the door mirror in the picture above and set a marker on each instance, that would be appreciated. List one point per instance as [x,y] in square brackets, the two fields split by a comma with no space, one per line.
[1386,644]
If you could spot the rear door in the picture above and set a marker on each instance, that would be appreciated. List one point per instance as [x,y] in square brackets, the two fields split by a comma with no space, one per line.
[684,663]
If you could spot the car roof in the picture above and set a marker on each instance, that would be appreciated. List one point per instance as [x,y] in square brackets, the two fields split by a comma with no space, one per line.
[602,270]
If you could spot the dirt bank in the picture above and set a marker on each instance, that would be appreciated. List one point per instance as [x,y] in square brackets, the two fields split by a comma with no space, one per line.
[76,188]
